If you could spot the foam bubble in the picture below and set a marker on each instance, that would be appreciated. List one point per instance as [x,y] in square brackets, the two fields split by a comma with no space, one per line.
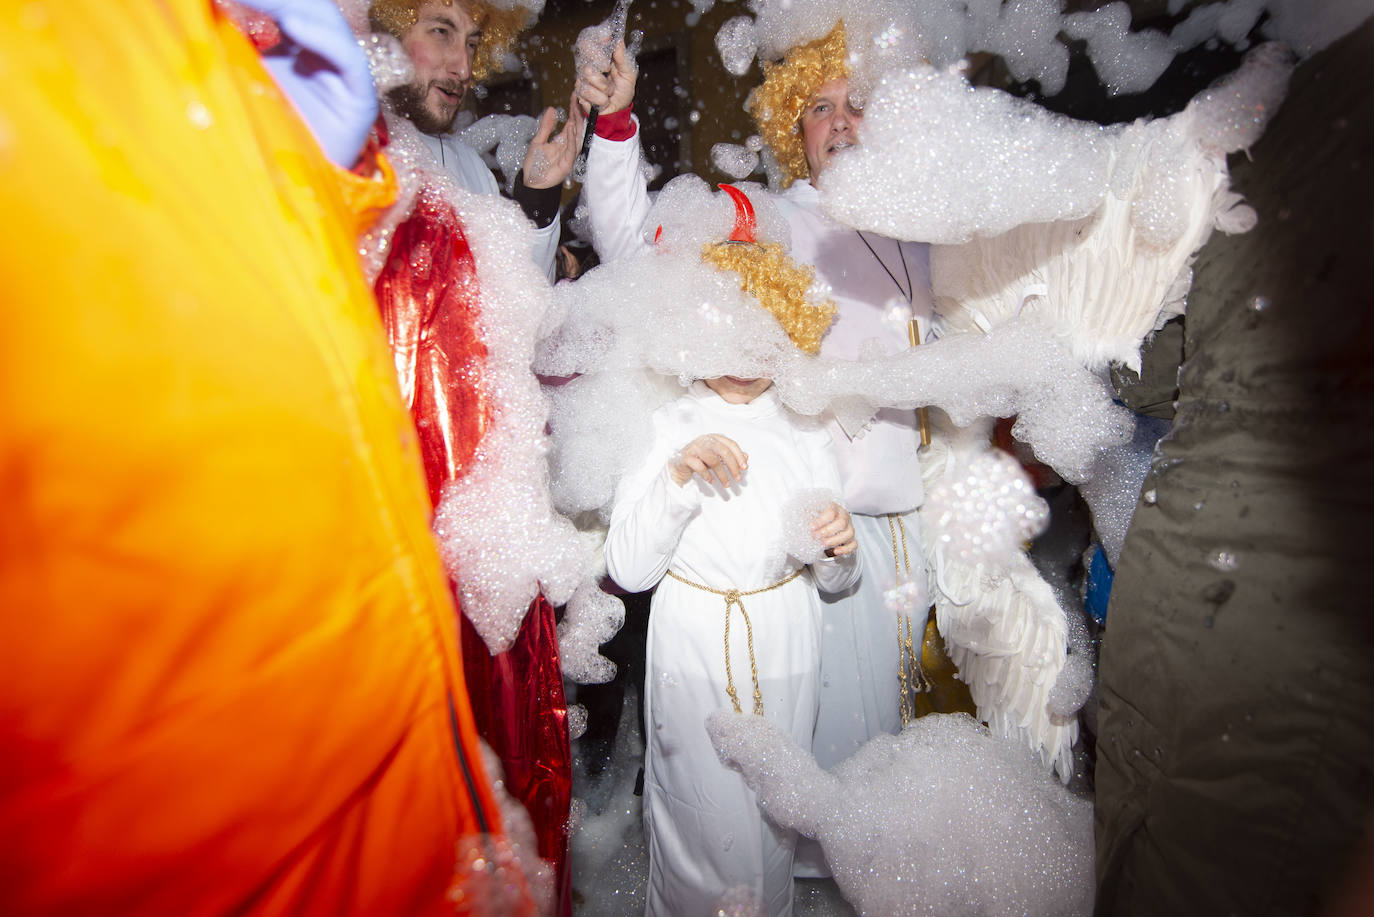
[590,619]
[737,44]
[577,721]
[734,161]
[1079,674]
[799,512]
[502,140]
[986,509]
[1126,62]
[980,828]
[1009,163]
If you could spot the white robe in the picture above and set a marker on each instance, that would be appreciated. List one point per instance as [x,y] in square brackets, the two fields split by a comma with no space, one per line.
[706,835]
[878,467]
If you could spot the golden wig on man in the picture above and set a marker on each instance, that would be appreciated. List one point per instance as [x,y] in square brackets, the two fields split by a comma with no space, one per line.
[500,24]
[778,103]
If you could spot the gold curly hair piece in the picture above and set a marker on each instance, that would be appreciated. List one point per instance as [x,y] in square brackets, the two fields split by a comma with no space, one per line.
[779,284]
[500,27]
[777,104]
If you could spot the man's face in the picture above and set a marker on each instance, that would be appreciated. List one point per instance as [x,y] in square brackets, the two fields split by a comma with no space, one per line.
[441,45]
[829,124]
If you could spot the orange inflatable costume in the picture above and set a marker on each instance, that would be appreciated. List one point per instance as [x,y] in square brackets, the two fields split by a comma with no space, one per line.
[230,678]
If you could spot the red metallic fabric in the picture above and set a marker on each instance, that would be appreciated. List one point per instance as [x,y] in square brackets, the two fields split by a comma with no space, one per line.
[428,296]
[520,710]
[427,293]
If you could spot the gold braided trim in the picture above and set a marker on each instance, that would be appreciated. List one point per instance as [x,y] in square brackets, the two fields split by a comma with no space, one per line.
[908,656]
[733,598]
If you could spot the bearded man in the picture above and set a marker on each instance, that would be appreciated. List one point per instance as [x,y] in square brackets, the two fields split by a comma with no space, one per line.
[430,290]
[451,45]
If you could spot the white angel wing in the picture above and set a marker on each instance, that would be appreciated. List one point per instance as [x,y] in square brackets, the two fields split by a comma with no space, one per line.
[1000,621]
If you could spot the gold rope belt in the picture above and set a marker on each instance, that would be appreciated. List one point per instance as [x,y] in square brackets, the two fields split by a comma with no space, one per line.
[908,655]
[733,598]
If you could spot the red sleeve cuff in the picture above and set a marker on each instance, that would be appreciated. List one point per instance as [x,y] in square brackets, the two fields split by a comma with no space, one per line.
[616,126]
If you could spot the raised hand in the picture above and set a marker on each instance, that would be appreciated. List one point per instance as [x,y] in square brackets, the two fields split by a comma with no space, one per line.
[551,156]
[608,90]
[713,458]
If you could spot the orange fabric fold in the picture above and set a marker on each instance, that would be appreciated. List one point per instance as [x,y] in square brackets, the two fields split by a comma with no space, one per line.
[231,679]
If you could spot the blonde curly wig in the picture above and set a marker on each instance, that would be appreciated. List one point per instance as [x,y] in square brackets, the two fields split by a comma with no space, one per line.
[777,104]
[779,284]
[499,27]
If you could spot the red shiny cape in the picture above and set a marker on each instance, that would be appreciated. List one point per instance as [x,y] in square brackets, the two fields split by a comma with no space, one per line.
[428,296]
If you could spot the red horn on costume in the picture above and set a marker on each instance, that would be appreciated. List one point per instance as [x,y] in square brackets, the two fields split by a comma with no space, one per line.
[745,225]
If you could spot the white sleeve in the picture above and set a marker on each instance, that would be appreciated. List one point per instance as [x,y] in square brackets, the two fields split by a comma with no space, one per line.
[617,196]
[650,514]
[832,574]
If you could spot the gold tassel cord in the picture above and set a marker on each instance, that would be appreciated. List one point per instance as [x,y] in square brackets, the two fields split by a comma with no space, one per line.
[908,655]
[734,599]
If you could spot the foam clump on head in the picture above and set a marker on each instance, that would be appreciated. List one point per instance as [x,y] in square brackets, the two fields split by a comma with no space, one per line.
[981,828]
[639,329]
[687,214]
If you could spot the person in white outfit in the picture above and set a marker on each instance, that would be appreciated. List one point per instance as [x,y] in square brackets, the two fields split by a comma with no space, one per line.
[734,514]
[735,622]
[881,287]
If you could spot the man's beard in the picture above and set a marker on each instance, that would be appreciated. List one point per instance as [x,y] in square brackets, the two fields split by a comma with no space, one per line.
[409,102]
